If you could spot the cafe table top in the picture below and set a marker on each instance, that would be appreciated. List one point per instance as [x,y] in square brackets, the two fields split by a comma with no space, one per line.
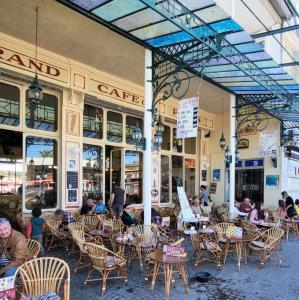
[163,258]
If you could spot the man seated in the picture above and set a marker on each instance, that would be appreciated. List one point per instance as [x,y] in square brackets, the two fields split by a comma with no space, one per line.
[128,217]
[196,206]
[88,207]
[13,249]
[155,216]
[246,206]
[100,207]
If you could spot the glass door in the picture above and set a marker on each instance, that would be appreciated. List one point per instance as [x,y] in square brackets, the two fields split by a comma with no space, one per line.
[117,168]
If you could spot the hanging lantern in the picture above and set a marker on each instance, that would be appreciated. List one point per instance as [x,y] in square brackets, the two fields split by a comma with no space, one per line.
[222,142]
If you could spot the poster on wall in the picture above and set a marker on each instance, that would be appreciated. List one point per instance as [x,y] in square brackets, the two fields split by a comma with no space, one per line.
[272,182]
[213,187]
[155,178]
[72,174]
[293,168]
[268,142]
[216,175]
[187,118]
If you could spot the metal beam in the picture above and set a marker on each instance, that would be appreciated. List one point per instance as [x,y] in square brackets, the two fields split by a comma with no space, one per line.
[276,31]
[291,64]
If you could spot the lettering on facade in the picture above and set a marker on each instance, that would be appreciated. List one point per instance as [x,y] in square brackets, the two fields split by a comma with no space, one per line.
[115,92]
[73,123]
[22,61]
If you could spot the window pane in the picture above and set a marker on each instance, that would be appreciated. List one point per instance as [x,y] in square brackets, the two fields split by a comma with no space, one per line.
[43,115]
[114,127]
[41,162]
[11,169]
[177,174]
[164,179]
[190,177]
[93,171]
[92,122]
[133,176]
[190,145]
[9,105]
[166,138]
[177,144]
[131,123]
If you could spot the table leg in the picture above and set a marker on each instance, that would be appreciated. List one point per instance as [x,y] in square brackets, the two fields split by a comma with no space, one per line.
[239,248]
[168,276]
[138,250]
[181,270]
[155,273]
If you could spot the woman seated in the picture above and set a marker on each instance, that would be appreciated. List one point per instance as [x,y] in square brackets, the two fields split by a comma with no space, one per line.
[258,215]
[290,208]
[88,207]
[196,206]
[280,213]
[100,207]
[128,217]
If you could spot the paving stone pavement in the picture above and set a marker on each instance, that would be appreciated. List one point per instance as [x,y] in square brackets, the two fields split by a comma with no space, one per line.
[272,282]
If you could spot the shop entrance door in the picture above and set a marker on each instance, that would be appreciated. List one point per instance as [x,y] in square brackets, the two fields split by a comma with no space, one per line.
[117,168]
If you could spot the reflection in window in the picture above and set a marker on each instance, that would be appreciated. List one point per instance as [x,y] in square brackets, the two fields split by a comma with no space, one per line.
[11,169]
[177,174]
[43,115]
[131,123]
[190,177]
[114,127]
[164,179]
[93,171]
[133,177]
[92,122]
[41,162]
[190,145]
[177,144]
[9,105]
[166,138]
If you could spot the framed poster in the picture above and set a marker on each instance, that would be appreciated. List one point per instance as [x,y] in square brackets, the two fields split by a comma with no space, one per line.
[272,182]
[213,187]
[216,175]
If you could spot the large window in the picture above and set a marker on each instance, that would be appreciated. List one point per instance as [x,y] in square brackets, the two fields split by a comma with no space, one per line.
[9,105]
[166,138]
[93,171]
[92,122]
[190,177]
[131,123]
[114,127]
[41,180]
[133,177]
[177,174]
[177,144]
[164,193]
[43,115]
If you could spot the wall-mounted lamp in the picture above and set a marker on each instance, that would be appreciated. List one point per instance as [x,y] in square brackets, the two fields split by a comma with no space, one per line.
[237,155]
[228,155]
[274,158]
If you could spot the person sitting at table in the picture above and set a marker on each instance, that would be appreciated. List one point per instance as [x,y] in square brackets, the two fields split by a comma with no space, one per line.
[196,206]
[100,207]
[258,215]
[290,208]
[280,213]
[128,217]
[238,214]
[13,249]
[246,206]
[88,208]
[155,216]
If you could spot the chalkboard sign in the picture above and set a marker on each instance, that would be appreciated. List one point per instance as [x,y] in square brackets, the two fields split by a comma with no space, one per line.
[72,195]
[72,180]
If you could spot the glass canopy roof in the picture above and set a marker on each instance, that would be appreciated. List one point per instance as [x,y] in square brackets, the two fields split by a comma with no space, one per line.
[141,21]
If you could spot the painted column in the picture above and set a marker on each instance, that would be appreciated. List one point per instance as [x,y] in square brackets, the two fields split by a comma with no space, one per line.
[232,145]
[147,159]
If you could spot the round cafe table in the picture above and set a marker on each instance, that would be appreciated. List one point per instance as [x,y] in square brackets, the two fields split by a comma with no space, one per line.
[110,236]
[240,246]
[168,262]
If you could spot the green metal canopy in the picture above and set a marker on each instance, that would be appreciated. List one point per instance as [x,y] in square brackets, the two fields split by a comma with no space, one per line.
[200,37]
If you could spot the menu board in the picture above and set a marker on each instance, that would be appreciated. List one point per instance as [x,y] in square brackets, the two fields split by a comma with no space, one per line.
[72,180]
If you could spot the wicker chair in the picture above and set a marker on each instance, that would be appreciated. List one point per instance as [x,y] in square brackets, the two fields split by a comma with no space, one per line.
[250,228]
[33,248]
[79,238]
[105,261]
[90,222]
[23,219]
[266,243]
[56,236]
[42,275]
[206,249]
[220,230]
[290,226]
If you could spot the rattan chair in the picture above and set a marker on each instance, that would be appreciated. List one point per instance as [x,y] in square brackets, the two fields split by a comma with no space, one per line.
[33,248]
[90,222]
[220,230]
[106,262]
[266,243]
[290,226]
[250,228]
[56,236]
[79,238]
[42,275]
[206,249]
